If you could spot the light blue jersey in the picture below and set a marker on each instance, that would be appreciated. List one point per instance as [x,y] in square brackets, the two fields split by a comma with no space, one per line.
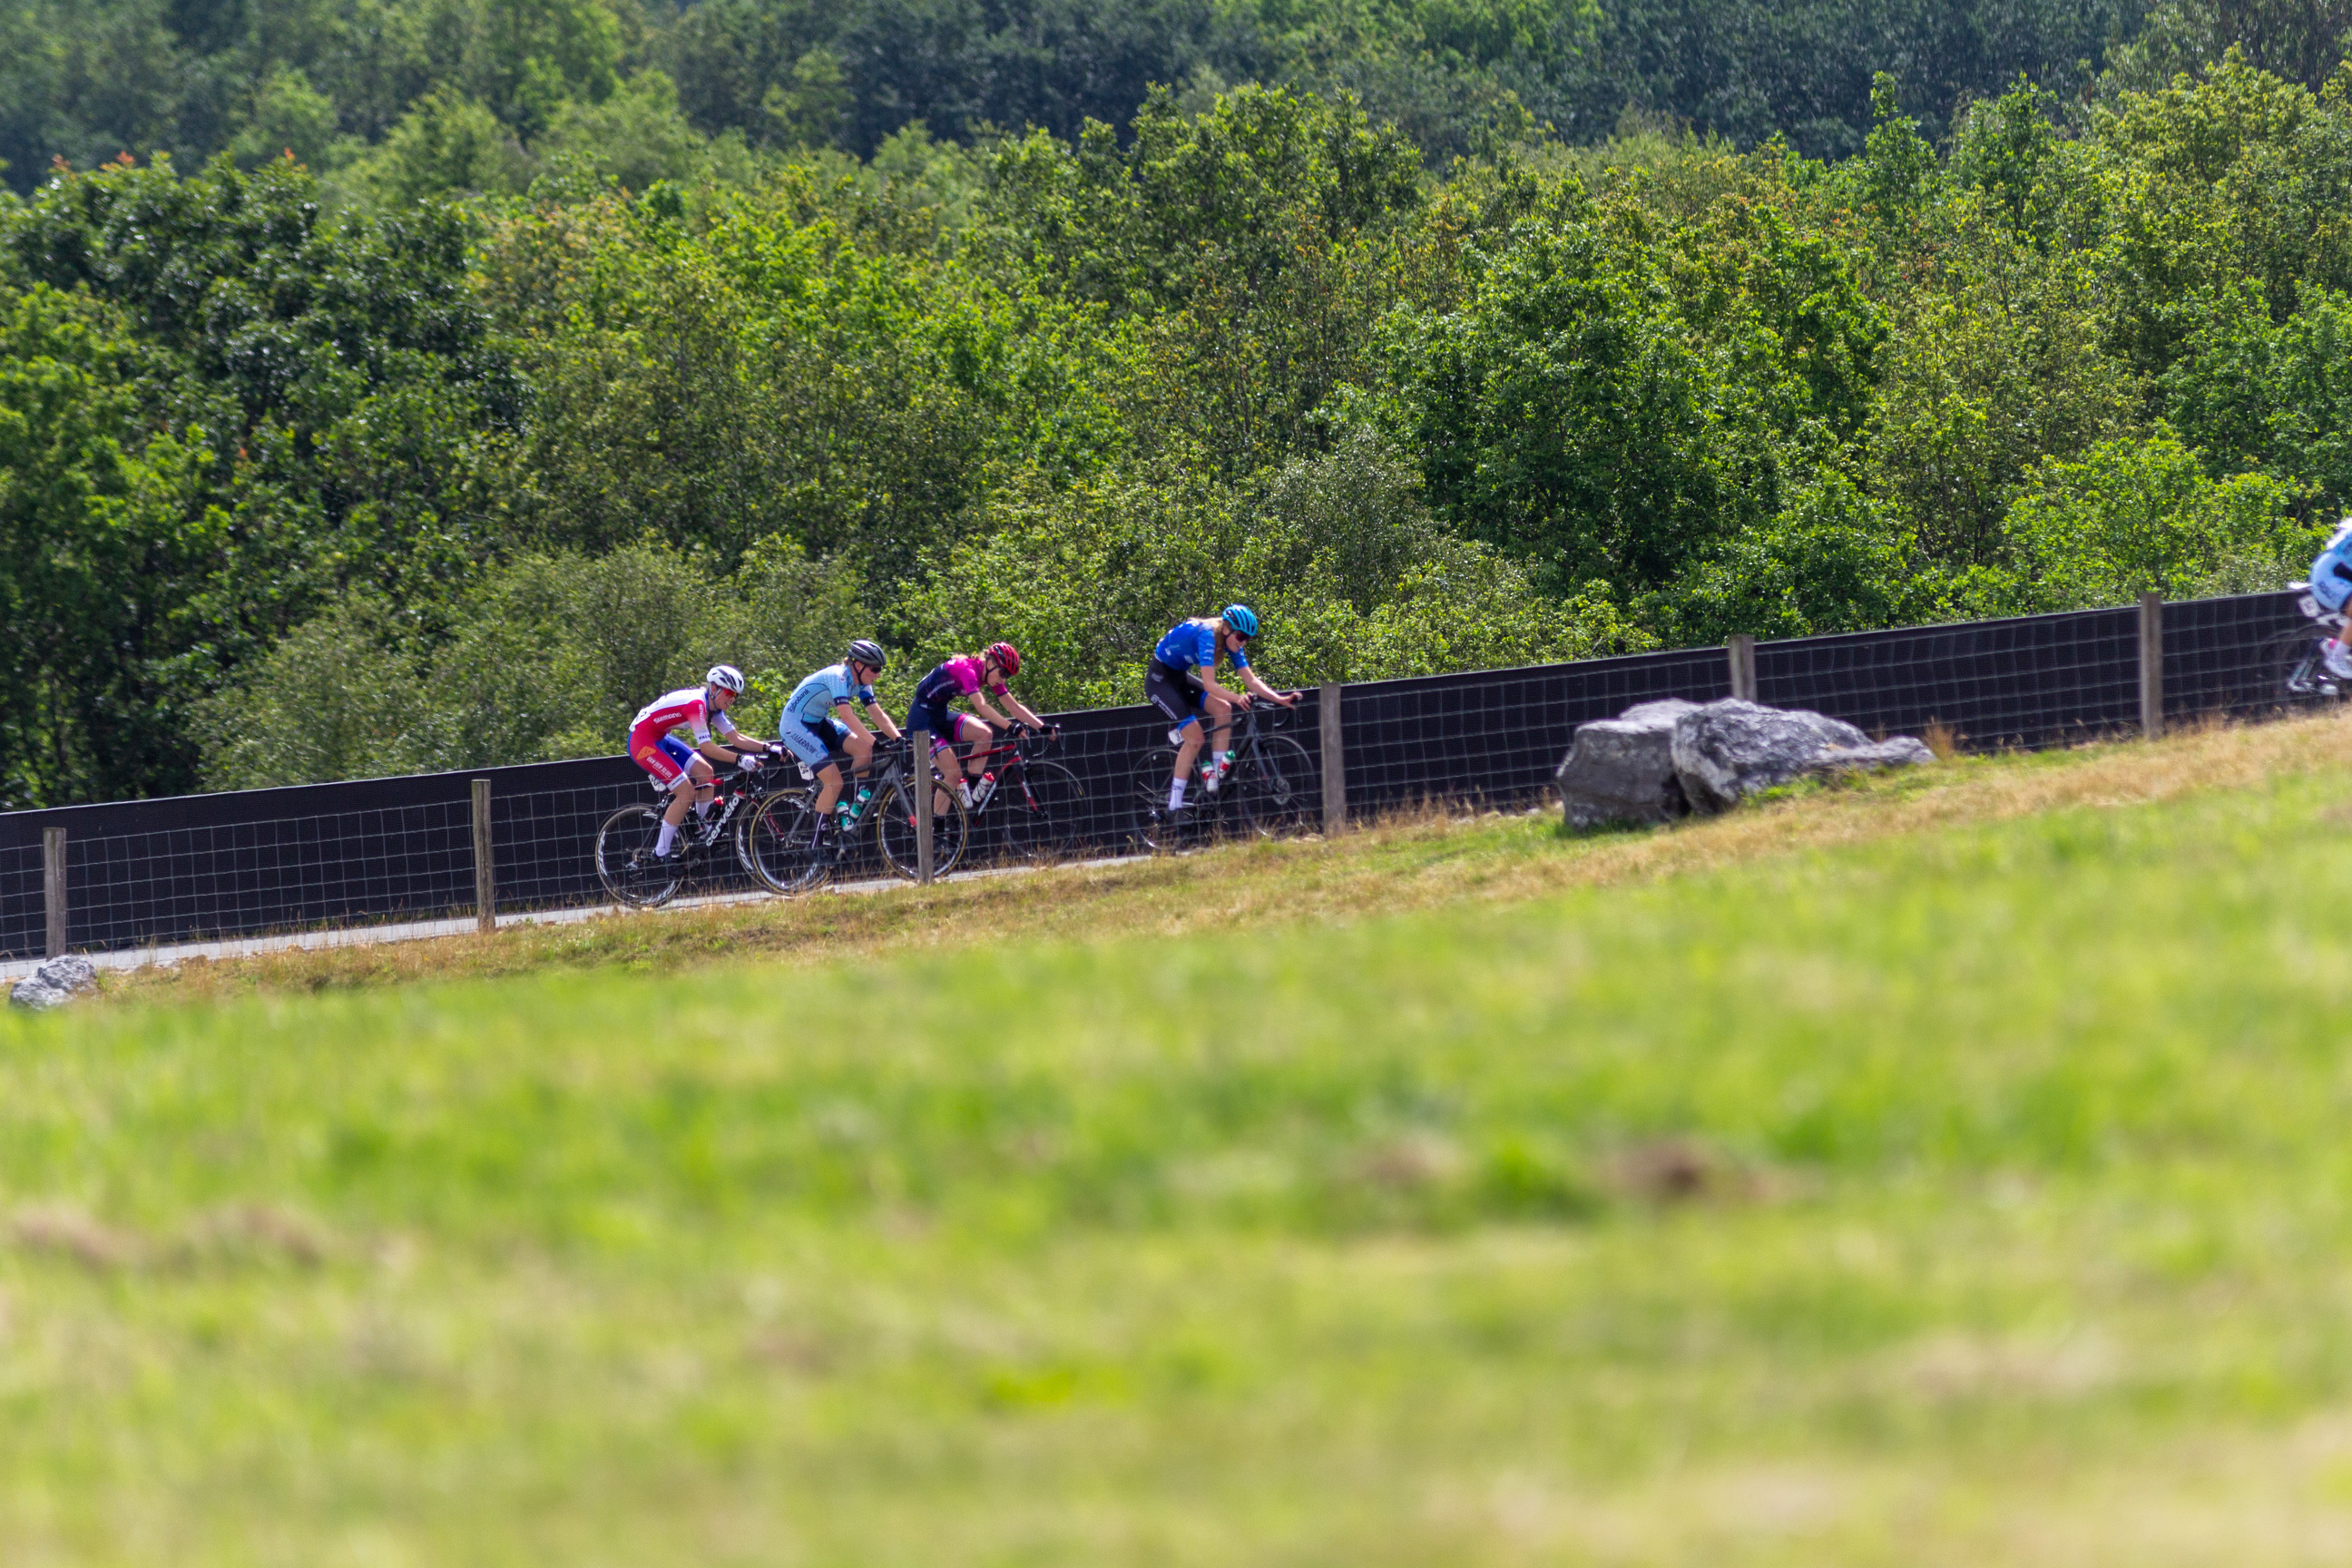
[813,700]
[2331,575]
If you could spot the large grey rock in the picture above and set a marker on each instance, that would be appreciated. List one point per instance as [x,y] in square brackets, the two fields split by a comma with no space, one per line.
[56,982]
[1723,751]
[1622,769]
[1895,752]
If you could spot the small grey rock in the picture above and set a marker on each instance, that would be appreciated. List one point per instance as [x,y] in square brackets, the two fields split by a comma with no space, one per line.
[1621,770]
[56,982]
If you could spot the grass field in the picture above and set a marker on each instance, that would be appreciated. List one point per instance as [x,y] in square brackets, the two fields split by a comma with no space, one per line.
[1948,1171]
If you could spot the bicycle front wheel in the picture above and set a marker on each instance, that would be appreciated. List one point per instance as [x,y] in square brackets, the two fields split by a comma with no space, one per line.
[894,830]
[1278,789]
[1041,811]
[780,843]
[626,862]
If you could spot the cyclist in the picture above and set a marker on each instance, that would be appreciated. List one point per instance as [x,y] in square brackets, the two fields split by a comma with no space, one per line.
[821,713]
[654,745]
[1181,682]
[975,676]
[2331,585]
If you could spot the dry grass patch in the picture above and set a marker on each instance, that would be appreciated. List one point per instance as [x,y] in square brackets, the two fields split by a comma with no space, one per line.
[1408,861]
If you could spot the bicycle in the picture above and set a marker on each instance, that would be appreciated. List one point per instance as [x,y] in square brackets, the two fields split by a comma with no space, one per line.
[635,875]
[1039,806]
[2293,661]
[788,856]
[1273,789]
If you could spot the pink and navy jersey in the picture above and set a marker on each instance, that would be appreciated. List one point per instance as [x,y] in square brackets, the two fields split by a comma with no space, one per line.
[957,677]
[688,708]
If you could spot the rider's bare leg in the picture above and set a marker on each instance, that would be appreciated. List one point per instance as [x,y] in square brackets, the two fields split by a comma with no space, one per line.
[682,797]
[861,759]
[976,763]
[1189,751]
[1222,711]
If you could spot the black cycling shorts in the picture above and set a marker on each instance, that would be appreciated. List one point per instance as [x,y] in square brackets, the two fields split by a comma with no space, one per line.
[1172,692]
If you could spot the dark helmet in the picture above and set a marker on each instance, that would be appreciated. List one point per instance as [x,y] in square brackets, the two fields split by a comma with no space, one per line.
[868,652]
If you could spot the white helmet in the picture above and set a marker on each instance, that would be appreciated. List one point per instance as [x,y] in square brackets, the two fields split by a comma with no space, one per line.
[726,677]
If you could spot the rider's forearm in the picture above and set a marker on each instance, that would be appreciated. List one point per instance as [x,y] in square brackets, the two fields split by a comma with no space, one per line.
[882,722]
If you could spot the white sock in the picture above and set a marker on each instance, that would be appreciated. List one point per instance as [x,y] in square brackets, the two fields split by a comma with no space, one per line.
[668,839]
[702,808]
[1175,794]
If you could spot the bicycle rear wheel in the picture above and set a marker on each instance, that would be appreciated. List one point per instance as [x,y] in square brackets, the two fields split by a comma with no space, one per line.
[1279,790]
[1152,826]
[781,843]
[626,862]
[1041,811]
[2294,670]
[894,830]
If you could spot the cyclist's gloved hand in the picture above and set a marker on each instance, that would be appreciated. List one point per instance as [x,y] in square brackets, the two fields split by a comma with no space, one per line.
[748,762]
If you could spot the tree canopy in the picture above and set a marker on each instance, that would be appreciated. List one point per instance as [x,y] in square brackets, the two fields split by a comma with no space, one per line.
[540,382]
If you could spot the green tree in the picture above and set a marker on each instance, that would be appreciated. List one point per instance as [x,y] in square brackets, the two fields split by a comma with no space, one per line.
[274,407]
[2135,517]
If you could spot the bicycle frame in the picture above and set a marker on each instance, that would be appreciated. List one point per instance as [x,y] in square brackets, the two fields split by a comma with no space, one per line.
[1016,751]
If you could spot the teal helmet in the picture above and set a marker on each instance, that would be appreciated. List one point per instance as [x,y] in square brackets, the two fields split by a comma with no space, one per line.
[1240,619]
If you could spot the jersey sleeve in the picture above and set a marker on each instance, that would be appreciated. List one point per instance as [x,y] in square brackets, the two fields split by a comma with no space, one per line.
[1240,657]
[698,720]
[723,724]
[863,694]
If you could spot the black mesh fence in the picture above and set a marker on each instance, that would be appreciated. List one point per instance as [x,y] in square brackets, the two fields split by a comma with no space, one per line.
[2225,656]
[1496,736]
[170,884]
[24,909]
[203,868]
[2041,681]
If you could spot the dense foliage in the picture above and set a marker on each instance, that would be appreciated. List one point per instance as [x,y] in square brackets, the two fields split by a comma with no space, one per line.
[484,94]
[307,472]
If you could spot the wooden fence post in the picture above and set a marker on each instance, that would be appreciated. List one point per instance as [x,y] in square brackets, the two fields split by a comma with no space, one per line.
[2151,665]
[918,746]
[1742,651]
[53,886]
[1335,760]
[486,875]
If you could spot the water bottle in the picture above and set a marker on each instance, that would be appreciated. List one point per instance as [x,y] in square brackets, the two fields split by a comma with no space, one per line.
[982,790]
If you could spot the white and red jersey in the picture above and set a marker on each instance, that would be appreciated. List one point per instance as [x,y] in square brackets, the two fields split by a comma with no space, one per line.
[688,708]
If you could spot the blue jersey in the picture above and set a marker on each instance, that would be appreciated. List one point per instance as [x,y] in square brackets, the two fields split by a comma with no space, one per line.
[813,700]
[1191,645]
[2331,575]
